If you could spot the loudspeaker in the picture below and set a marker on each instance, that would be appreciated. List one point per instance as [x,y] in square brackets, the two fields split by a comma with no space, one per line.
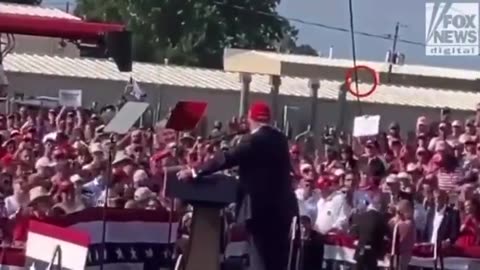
[119,47]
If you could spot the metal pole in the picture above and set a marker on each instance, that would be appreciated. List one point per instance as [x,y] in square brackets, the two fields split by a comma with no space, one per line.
[285,119]
[245,79]
[342,107]
[394,49]
[314,85]
[105,205]
[172,209]
[275,82]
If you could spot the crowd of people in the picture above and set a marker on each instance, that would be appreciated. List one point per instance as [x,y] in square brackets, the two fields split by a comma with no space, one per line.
[424,187]
[57,162]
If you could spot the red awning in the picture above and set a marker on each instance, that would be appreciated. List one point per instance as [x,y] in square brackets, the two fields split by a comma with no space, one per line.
[55,27]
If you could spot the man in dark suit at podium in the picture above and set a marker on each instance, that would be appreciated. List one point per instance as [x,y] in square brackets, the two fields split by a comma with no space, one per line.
[264,168]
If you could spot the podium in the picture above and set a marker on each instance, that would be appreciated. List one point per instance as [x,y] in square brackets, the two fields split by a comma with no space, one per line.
[208,196]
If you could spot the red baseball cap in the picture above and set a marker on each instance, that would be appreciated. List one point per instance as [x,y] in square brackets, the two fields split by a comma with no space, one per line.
[324,182]
[260,112]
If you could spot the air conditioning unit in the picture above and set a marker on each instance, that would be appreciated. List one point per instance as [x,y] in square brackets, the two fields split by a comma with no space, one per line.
[399,59]
[388,57]
[395,58]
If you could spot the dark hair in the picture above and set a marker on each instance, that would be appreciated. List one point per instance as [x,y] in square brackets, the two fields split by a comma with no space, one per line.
[476,205]
[449,162]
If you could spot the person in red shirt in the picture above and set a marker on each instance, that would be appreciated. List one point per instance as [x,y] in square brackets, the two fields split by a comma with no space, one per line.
[470,228]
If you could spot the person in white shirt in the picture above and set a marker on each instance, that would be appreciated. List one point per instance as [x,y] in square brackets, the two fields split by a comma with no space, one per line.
[333,209]
[94,189]
[307,197]
[306,193]
[443,222]
[19,198]
[358,199]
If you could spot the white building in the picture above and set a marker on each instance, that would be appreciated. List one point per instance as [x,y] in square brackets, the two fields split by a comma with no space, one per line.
[100,81]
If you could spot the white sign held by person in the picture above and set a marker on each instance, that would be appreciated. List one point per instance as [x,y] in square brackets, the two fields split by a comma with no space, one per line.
[70,98]
[366,125]
[451,28]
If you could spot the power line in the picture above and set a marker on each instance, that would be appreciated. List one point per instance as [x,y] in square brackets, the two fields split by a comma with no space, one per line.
[354,53]
[321,25]
[304,22]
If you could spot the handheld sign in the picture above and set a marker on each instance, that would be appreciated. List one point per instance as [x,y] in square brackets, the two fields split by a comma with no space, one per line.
[126,117]
[186,115]
[70,98]
[366,125]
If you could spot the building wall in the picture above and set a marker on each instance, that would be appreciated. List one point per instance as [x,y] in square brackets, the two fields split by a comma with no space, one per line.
[222,104]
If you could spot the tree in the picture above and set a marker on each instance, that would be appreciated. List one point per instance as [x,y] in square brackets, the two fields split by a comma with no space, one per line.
[192,32]
[288,45]
[305,49]
[28,2]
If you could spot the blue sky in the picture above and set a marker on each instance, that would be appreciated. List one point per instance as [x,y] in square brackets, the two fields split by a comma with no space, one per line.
[373,16]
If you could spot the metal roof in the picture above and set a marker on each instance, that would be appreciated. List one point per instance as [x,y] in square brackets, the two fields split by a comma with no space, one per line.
[217,79]
[240,60]
[17,9]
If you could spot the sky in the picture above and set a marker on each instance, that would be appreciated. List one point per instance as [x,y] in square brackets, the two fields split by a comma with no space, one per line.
[372,16]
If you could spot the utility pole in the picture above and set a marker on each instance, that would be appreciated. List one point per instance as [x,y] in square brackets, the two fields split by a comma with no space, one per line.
[394,49]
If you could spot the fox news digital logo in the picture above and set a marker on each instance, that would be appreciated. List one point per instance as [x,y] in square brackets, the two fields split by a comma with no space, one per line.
[451,28]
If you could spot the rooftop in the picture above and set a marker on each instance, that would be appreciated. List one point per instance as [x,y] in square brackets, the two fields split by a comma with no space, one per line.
[288,63]
[229,81]
[17,9]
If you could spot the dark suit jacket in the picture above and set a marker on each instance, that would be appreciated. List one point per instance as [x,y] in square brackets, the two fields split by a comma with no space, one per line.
[449,228]
[371,228]
[312,252]
[264,168]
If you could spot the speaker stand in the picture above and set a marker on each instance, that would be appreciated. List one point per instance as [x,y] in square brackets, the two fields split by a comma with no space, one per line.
[205,238]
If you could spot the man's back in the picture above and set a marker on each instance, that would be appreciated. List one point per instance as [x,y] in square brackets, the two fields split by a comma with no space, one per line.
[371,228]
[264,168]
[265,172]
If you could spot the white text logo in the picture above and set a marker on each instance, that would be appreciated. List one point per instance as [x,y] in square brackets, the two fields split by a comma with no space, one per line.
[451,28]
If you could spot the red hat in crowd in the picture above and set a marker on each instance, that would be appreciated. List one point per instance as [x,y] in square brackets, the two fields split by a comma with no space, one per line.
[66,186]
[7,160]
[324,182]
[159,156]
[259,112]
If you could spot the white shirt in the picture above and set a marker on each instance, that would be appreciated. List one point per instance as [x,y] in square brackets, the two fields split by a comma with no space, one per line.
[12,205]
[437,221]
[420,216]
[361,199]
[258,128]
[95,188]
[307,206]
[332,213]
